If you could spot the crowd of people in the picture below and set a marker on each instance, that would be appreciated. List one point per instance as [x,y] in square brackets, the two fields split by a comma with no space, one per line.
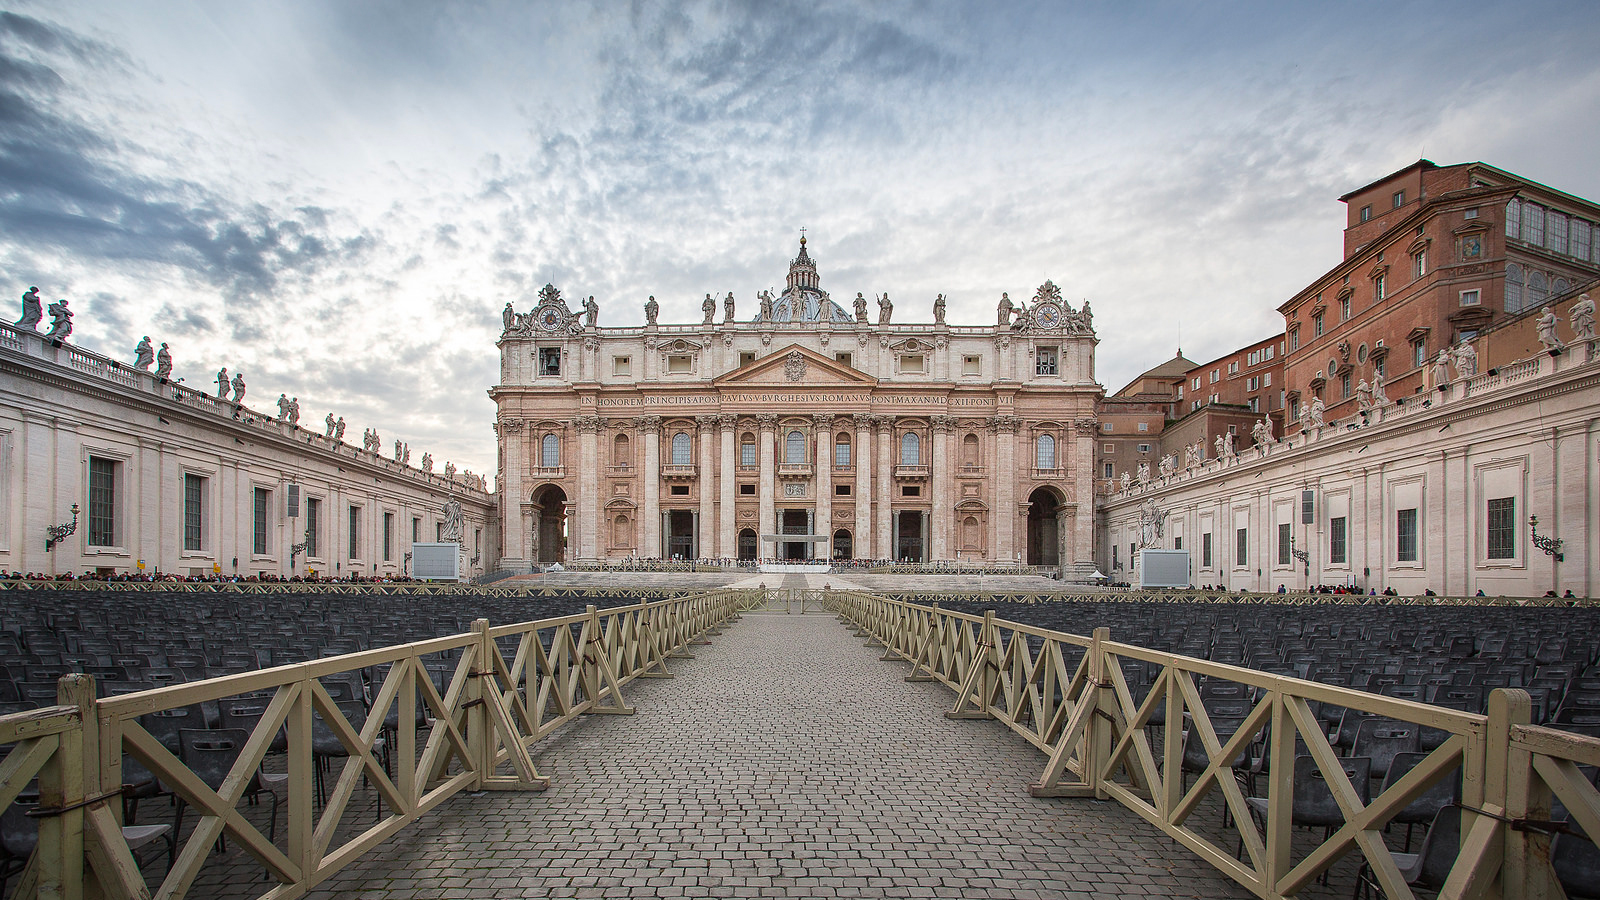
[211,578]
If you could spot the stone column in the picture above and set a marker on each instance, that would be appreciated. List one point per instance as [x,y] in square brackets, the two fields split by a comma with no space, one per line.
[650,487]
[941,465]
[588,539]
[1080,489]
[705,522]
[862,460]
[885,426]
[822,521]
[1005,501]
[727,468]
[769,483]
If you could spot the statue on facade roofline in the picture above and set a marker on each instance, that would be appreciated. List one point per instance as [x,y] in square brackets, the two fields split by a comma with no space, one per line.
[283,407]
[708,309]
[938,310]
[338,430]
[1581,317]
[32,309]
[727,309]
[861,308]
[508,319]
[1318,408]
[238,387]
[329,432]
[294,411]
[885,310]
[222,382]
[1379,398]
[1364,396]
[1005,310]
[1143,475]
[449,469]
[60,321]
[766,305]
[1441,369]
[427,462]
[1466,360]
[163,362]
[1126,479]
[1546,325]
[651,310]
[143,356]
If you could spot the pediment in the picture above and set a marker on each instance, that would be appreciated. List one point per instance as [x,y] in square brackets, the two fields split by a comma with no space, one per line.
[795,364]
[912,345]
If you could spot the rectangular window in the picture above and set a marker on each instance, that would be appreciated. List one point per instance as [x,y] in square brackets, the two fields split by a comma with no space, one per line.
[1216,375]
[1405,535]
[1266,380]
[355,531]
[194,491]
[1514,218]
[841,455]
[1308,507]
[1399,199]
[841,490]
[747,490]
[1116,549]
[1344,386]
[1205,550]
[972,365]
[313,527]
[1502,530]
[1107,470]
[1316,325]
[1470,213]
[1144,448]
[1344,309]
[549,360]
[1144,427]
[1294,339]
[746,357]
[911,364]
[416,530]
[1241,548]
[388,536]
[1419,353]
[747,455]
[438,532]
[1105,428]
[1378,288]
[1533,223]
[1045,362]
[621,366]
[679,365]
[1470,298]
[258,522]
[911,490]
[1420,264]
[1337,553]
[1177,542]
[1555,233]
[842,358]
[1581,231]
[680,490]
[102,502]
[1366,213]
[1283,543]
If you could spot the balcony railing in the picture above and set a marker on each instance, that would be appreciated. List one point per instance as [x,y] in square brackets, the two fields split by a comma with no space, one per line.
[1039,473]
[679,473]
[911,472]
[549,471]
[794,470]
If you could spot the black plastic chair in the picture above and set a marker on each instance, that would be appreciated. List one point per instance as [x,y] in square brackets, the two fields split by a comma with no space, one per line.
[211,755]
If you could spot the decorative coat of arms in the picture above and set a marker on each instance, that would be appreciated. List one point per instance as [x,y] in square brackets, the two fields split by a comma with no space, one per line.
[1051,313]
[794,365]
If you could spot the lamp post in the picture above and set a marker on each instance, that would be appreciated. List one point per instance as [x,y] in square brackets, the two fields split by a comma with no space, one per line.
[1549,544]
[57,533]
[296,549]
[1304,556]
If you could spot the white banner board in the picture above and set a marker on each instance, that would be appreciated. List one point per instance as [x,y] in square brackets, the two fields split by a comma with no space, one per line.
[1163,568]
[436,562]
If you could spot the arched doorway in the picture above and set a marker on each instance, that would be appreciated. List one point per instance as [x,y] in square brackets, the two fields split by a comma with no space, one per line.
[747,544]
[1044,536]
[843,547]
[550,525]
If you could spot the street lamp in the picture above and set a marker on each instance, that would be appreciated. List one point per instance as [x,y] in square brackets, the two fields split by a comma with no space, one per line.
[1302,555]
[1550,545]
[58,533]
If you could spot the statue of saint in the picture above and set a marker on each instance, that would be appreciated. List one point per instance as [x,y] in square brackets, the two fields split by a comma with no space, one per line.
[283,407]
[1466,360]
[861,308]
[1318,408]
[449,469]
[938,310]
[453,522]
[1005,310]
[727,308]
[163,362]
[222,382]
[294,411]
[427,462]
[766,305]
[338,430]
[1218,443]
[1126,480]
[329,432]
[60,321]
[1227,444]
[405,454]
[1545,324]
[1581,317]
[508,319]
[591,312]
[1379,398]
[1143,475]
[708,309]
[885,309]
[652,309]
[1441,369]
[1364,396]
[238,387]
[32,310]
[143,356]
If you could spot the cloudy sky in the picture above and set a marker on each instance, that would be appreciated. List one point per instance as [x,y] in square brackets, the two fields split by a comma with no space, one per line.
[338,198]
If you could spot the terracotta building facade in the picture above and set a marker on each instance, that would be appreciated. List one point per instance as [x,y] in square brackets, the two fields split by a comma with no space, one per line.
[804,431]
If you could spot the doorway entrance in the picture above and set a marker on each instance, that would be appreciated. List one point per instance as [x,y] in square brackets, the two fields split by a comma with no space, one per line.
[550,525]
[748,545]
[843,546]
[908,535]
[1044,536]
[680,534]
[795,521]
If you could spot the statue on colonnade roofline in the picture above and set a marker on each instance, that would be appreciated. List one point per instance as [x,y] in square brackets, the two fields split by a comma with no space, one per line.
[338,430]
[222,382]
[1126,479]
[1441,368]
[283,407]
[938,310]
[1546,325]
[60,321]
[1466,360]
[163,362]
[1316,411]
[1581,317]
[861,308]
[766,305]
[1379,398]
[449,469]
[653,309]
[427,462]
[32,309]
[294,411]
[1005,310]
[508,319]
[1143,475]
[329,432]
[238,387]
[885,309]
[1364,396]
[143,356]
[727,308]
[708,309]
[591,311]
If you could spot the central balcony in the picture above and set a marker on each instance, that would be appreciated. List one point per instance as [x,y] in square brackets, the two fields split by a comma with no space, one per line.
[911,473]
[794,470]
[679,473]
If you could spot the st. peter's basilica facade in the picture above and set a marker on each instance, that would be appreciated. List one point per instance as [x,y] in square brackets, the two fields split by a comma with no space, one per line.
[805,431]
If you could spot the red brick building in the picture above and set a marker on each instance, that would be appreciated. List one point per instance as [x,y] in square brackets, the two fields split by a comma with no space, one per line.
[1433,256]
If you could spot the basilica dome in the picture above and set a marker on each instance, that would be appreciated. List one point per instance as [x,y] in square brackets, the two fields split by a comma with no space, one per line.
[802,300]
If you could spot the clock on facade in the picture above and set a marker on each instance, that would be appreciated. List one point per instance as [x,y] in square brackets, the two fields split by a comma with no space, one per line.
[1048,315]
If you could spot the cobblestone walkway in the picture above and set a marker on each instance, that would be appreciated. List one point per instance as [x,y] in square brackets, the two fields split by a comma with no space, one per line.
[786,760]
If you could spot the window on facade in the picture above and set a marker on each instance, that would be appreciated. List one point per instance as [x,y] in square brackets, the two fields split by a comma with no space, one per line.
[621,366]
[1555,232]
[549,360]
[1105,428]
[1144,427]
[747,451]
[416,530]
[682,450]
[194,489]
[1405,535]
[842,358]
[313,527]
[910,450]
[1107,471]
[1338,554]
[1419,352]
[841,451]
[1241,549]
[438,532]
[1470,213]
[746,357]
[841,490]
[1378,290]
[911,363]
[1366,213]
[621,451]
[1266,380]
[747,490]
[1294,339]
[1115,549]
[1533,223]
[355,531]
[1502,528]
[1205,550]
[1513,288]
[680,365]
[794,448]
[1344,385]
[680,490]
[1469,298]
[550,451]
[1514,218]
[1399,199]
[972,365]
[258,521]
[1419,264]
[388,536]
[1045,451]
[1046,362]
[1581,233]
[102,502]
[1538,288]
[911,490]
[1316,325]
[1144,448]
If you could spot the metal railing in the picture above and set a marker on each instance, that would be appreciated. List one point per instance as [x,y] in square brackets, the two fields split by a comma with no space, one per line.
[1068,696]
[500,690]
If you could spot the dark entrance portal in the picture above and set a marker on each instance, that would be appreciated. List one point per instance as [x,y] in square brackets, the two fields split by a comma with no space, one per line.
[550,528]
[680,534]
[908,536]
[748,545]
[1044,537]
[796,521]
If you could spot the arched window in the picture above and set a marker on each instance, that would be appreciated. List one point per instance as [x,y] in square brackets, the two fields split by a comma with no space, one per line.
[1046,451]
[682,453]
[1513,288]
[794,451]
[1560,286]
[747,450]
[550,451]
[969,451]
[621,453]
[841,450]
[910,450]
[1538,288]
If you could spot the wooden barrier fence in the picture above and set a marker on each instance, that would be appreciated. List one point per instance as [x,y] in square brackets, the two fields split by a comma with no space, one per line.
[1067,695]
[500,689]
